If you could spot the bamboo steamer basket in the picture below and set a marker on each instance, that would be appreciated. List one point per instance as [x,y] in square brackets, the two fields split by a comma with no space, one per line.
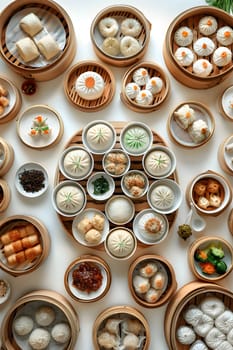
[191,19]
[154,70]
[120,312]
[81,103]
[46,71]
[226,159]
[171,280]
[58,301]
[15,100]
[8,156]
[5,195]
[191,293]
[224,101]
[120,12]
[10,223]
[225,192]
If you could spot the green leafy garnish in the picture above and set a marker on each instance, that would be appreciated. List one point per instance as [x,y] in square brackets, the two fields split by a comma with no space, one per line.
[226,5]
[101,185]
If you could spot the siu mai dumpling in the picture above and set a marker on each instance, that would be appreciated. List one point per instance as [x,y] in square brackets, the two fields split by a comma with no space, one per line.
[198,131]
[31,24]
[184,116]
[27,49]
[90,85]
[48,47]
[183,36]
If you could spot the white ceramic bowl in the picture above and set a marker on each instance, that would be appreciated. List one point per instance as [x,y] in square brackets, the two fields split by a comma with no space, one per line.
[161,166]
[88,214]
[164,196]
[76,175]
[134,184]
[26,170]
[112,162]
[91,187]
[119,209]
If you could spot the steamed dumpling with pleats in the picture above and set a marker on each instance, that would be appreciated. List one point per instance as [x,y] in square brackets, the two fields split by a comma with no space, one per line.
[183,36]
[141,76]
[48,47]
[225,36]
[185,335]
[70,199]
[224,322]
[132,90]
[225,345]
[198,131]
[204,46]
[212,306]
[185,116]
[222,56]
[214,338]
[77,163]
[162,197]
[198,345]
[184,56]
[90,85]
[204,325]
[202,67]
[144,97]
[208,25]
[154,85]
[192,315]
[120,243]
[99,137]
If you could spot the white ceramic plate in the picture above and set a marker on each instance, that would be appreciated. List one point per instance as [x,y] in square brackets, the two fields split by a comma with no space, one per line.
[226,98]
[25,123]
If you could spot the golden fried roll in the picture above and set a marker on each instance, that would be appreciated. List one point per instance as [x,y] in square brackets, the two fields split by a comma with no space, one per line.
[34,252]
[16,259]
[13,247]
[18,233]
[30,241]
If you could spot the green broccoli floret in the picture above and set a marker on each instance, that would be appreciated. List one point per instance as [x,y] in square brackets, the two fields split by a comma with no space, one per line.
[184,231]
[221,267]
[217,252]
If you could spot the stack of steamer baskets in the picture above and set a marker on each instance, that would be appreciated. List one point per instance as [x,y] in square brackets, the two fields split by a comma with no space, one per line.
[184,74]
[55,21]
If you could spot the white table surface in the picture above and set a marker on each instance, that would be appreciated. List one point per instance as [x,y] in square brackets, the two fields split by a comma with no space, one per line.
[189,163]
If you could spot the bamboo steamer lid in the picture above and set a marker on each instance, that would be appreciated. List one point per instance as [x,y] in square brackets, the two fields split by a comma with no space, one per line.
[120,12]
[45,71]
[56,300]
[185,75]
[17,221]
[120,312]
[5,195]
[7,152]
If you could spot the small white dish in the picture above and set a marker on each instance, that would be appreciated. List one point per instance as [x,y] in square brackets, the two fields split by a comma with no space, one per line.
[80,173]
[134,184]
[136,138]
[119,209]
[89,213]
[121,243]
[26,170]
[164,196]
[5,291]
[226,101]
[159,162]
[79,190]
[96,191]
[116,162]
[145,217]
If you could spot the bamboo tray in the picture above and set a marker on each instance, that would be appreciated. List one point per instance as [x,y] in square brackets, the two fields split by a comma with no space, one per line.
[136,163]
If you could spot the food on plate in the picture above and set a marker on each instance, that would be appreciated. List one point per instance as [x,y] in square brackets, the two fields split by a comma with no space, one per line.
[204,325]
[4,289]
[204,46]
[39,339]
[108,27]
[202,67]
[144,97]
[185,116]
[157,163]
[184,56]
[44,315]
[198,131]
[77,162]
[24,256]
[18,232]
[129,46]
[101,185]
[132,325]
[61,332]
[210,259]
[27,49]
[120,209]
[120,243]
[183,36]
[87,277]
[90,85]
[159,280]
[212,306]
[141,76]
[162,197]
[20,244]
[185,335]
[23,325]
[31,24]
[93,236]
[222,56]
[224,322]
[111,46]
[225,36]
[135,183]
[131,27]
[32,180]
[4,99]
[91,228]
[136,139]
[131,341]
[99,137]
[70,199]
[207,25]
[116,163]
[154,85]
[132,90]
[40,127]
[48,47]
[199,188]
[214,338]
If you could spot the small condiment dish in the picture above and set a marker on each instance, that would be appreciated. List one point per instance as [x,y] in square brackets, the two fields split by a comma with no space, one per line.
[159,162]
[150,227]
[90,227]
[31,180]
[116,162]
[5,291]
[100,186]
[119,209]
[95,287]
[134,184]
[164,196]
[210,258]
[121,243]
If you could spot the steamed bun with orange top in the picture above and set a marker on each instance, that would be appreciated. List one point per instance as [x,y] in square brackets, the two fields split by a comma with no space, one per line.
[90,85]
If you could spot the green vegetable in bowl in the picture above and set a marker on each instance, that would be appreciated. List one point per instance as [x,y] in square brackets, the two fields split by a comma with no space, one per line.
[184,231]
[201,255]
[221,267]
[217,252]
[101,185]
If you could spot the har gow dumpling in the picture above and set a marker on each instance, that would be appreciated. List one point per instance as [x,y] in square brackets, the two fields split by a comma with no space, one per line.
[208,25]
[202,67]
[159,280]
[222,56]
[184,56]
[148,270]
[204,46]
[132,326]
[185,116]
[225,36]
[90,85]
[112,325]
[152,295]
[31,24]
[107,340]
[130,342]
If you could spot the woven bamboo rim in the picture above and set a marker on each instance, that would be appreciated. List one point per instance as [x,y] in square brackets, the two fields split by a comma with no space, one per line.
[172,283]
[220,104]
[127,311]
[191,18]
[56,299]
[6,195]
[192,104]
[91,259]
[122,11]
[221,156]
[202,176]
[154,70]
[8,152]
[204,241]
[49,71]
[81,103]
[191,293]
[11,222]
[16,106]
[136,163]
